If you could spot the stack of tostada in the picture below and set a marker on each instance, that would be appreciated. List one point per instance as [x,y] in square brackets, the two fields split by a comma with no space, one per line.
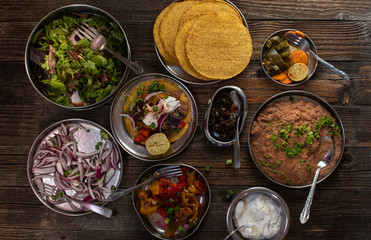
[208,38]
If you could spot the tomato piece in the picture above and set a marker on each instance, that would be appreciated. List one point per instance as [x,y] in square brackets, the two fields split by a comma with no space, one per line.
[162,212]
[142,135]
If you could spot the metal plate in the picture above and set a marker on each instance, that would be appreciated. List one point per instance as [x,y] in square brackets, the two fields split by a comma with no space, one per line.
[58,13]
[308,97]
[86,142]
[312,61]
[178,71]
[208,109]
[150,224]
[126,140]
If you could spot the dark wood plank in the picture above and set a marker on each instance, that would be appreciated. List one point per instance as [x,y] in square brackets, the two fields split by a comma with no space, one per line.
[350,43]
[335,10]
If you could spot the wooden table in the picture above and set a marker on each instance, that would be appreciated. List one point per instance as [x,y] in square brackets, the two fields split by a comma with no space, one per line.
[341,31]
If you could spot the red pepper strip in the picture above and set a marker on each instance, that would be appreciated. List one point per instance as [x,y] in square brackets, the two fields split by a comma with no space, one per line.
[181,124]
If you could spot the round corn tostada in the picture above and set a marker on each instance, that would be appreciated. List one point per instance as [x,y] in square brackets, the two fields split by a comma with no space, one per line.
[157,106]
[219,46]
[225,49]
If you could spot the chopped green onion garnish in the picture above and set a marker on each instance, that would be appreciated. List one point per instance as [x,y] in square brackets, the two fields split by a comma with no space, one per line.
[229,162]
[180,228]
[171,200]
[103,134]
[207,168]
[167,220]
[170,210]
[176,208]
[229,194]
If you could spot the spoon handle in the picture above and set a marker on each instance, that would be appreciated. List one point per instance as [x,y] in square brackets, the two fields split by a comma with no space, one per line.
[118,194]
[135,67]
[236,146]
[304,216]
[240,227]
[331,67]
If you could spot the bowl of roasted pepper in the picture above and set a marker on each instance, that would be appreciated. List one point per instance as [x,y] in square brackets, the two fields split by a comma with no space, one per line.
[172,208]
[285,63]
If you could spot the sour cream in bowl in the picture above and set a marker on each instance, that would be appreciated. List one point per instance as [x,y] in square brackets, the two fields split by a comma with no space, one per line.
[262,211]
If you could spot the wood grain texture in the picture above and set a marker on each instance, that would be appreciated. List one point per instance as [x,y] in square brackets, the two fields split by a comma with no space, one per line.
[341,31]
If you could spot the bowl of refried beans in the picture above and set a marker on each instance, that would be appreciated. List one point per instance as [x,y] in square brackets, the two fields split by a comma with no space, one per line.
[285,138]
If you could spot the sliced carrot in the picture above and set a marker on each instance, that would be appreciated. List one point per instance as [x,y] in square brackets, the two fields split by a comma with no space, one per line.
[299,56]
[301,34]
[292,32]
[286,81]
[280,77]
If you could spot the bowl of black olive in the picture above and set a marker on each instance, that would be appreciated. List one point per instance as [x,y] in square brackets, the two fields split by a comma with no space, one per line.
[285,63]
[221,116]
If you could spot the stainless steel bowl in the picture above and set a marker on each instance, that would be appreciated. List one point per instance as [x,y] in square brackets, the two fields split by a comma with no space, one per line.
[56,14]
[126,140]
[312,61]
[285,213]
[158,231]
[208,110]
[182,75]
[306,96]
[86,142]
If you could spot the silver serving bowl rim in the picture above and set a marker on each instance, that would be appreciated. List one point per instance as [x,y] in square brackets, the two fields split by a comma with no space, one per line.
[317,99]
[38,141]
[208,109]
[313,48]
[142,218]
[268,192]
[56,14]
[124,138]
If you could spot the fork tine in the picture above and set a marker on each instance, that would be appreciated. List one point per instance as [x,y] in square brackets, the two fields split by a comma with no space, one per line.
[92,29]
[49,189]
[86,32]
[168,168]
[173,172]
[293,38]
[171,175]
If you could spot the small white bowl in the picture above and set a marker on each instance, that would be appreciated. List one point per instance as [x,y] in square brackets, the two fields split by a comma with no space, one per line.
[285,214]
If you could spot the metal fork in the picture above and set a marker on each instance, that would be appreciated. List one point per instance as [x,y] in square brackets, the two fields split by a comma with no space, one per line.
[165,172]
[50,191]
[99,43]
[304,45]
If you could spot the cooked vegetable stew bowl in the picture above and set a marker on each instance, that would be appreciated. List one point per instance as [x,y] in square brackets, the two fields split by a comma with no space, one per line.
[284,63]
[159,216]
[64,69]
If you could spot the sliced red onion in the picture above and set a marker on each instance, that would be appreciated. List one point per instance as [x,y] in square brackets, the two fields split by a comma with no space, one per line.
[151,95]
[42,176]
[109,175]
[60,168]
[88,172]
[161,120]
[43,170]
[132,119]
